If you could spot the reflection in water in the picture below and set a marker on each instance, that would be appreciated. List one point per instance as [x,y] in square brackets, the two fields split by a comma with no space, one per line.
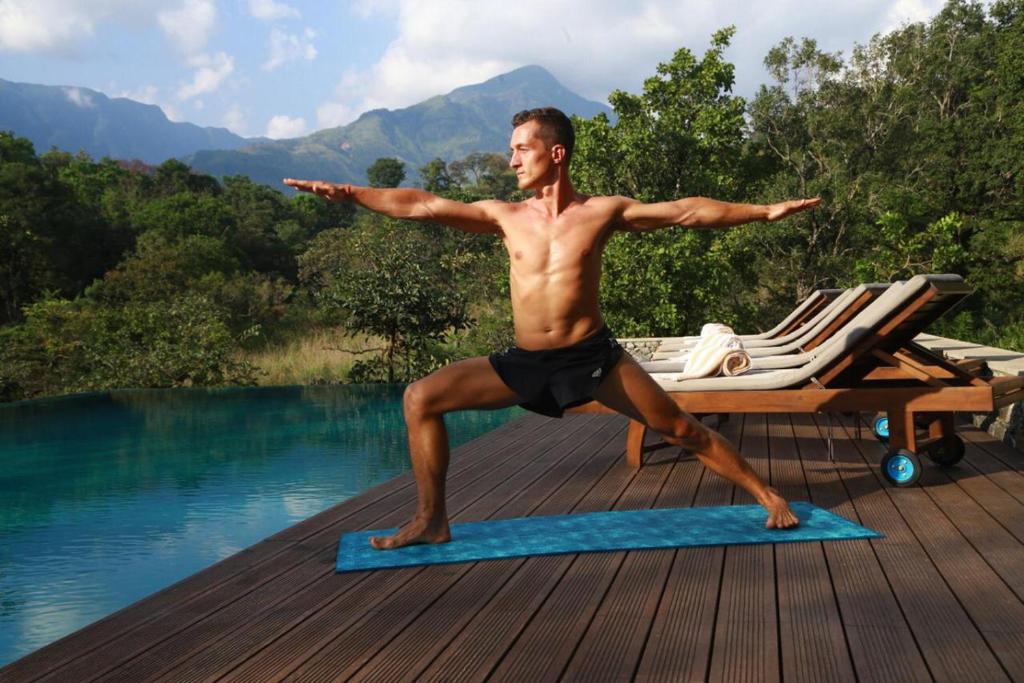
[110,497]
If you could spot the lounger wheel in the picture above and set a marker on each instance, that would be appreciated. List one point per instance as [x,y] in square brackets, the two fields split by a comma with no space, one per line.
[949,451]
[901,468]
[881,427]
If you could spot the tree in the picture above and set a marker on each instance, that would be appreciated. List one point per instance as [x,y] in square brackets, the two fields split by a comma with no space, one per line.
[386,172]
[388,279]
[67,346]
[486,173]
[682,136]
[49,240]
[435,176]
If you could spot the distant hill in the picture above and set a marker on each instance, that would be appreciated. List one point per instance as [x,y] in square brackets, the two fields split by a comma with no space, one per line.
[74,119]
[474,118]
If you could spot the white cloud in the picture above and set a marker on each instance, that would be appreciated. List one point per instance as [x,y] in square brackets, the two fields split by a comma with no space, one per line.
[150,94]
[189,25]
[366,8]
[909,11]
[235,121]
[286,47]
[147,94]
[282,126]
[211,70]
[592,46]
[60,26]
[332,114]
[79,97]
[270,10]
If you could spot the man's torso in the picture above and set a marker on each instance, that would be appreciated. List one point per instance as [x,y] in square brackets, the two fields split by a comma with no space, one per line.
[555,269]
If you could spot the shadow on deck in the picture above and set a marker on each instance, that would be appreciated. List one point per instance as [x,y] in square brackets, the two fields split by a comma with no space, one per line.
[939,598]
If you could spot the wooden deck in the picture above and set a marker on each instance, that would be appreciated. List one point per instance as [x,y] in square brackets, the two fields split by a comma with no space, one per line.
[939,598]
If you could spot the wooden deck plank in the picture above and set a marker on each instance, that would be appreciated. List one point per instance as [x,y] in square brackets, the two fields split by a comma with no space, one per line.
[160,644]
[348,651]
[940,598]
[326,607]
[220,574]
[678,647]
[478,648]
[993,607]
[870,614]
[618,633]
[406,656]
[990,520]
[810,630]
[1000,463]
[547,644]
[953,648]
[746,645]
[977,474]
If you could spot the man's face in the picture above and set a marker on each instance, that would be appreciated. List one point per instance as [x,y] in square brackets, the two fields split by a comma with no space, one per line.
[531,157]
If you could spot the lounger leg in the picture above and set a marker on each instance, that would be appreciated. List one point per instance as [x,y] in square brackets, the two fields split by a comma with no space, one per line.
[901,430]
[635,443]
[941,425]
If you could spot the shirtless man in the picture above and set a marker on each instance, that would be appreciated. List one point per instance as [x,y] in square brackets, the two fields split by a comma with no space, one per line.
[564,354]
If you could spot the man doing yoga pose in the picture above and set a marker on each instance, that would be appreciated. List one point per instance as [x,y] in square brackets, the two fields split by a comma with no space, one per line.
[564,353]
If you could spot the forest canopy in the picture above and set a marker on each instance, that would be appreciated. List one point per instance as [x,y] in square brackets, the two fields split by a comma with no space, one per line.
[115,274]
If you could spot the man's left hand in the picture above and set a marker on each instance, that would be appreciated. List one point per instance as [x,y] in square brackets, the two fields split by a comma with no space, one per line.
[780,210]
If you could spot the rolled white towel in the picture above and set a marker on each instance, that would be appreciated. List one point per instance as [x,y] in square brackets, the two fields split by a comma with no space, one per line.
[715,328]
[716,354]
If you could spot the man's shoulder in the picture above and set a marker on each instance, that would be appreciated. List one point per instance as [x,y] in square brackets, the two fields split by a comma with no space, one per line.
[607,203]
[605,199]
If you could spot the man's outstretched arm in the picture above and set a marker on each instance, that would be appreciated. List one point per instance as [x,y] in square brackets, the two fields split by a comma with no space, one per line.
[409,203]
[700,212]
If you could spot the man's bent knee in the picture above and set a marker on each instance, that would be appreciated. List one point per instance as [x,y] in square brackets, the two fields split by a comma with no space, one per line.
[417,401]
[688,432]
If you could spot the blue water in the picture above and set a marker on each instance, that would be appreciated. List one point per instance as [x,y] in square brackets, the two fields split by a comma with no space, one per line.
[107,498]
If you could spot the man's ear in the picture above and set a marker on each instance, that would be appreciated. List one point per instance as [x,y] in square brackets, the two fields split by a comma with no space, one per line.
[558,154]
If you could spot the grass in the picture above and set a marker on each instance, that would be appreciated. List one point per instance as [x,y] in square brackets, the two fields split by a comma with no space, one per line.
[322,357]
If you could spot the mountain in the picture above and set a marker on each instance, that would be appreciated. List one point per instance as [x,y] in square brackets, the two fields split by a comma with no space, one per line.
[473,118]
[74,119]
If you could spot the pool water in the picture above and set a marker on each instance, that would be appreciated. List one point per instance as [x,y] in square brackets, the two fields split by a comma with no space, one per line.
[107,498]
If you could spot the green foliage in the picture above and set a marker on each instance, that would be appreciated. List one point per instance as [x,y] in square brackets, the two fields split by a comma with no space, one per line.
[386,172]
[126,275]
[67,347]
[682,136]
[388,279]
[899,253]
[435,176]
[49,240]
[486,173]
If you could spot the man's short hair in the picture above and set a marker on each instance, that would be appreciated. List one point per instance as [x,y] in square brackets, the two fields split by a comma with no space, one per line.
[556,128]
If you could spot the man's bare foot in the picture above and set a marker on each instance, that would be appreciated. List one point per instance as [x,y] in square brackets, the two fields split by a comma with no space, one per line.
[780,516]
[417,531]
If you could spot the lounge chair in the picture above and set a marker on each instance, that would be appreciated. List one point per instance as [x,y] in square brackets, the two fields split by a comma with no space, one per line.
[807,338]
[871,364]
[814,331]
[799,316]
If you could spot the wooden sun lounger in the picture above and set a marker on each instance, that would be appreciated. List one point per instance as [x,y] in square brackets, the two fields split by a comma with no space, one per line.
[871,364]
[812,335]
[807,310]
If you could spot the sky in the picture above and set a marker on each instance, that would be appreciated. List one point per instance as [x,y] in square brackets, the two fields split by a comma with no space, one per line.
[286,68]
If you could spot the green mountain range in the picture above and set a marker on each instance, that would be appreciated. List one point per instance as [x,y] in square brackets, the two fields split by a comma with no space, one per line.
[474,118]
[74,119]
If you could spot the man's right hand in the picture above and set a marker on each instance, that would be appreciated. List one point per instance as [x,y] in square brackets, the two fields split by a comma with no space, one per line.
[332,192]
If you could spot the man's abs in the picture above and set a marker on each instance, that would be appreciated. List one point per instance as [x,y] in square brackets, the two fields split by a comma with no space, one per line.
[554,312]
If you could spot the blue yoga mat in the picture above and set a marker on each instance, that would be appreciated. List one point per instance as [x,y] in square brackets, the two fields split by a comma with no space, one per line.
[597,531]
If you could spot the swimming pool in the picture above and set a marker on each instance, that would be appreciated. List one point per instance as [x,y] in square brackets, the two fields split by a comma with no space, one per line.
[107,498]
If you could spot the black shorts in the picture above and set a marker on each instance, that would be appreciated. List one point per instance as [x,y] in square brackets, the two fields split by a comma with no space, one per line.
[552,380]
